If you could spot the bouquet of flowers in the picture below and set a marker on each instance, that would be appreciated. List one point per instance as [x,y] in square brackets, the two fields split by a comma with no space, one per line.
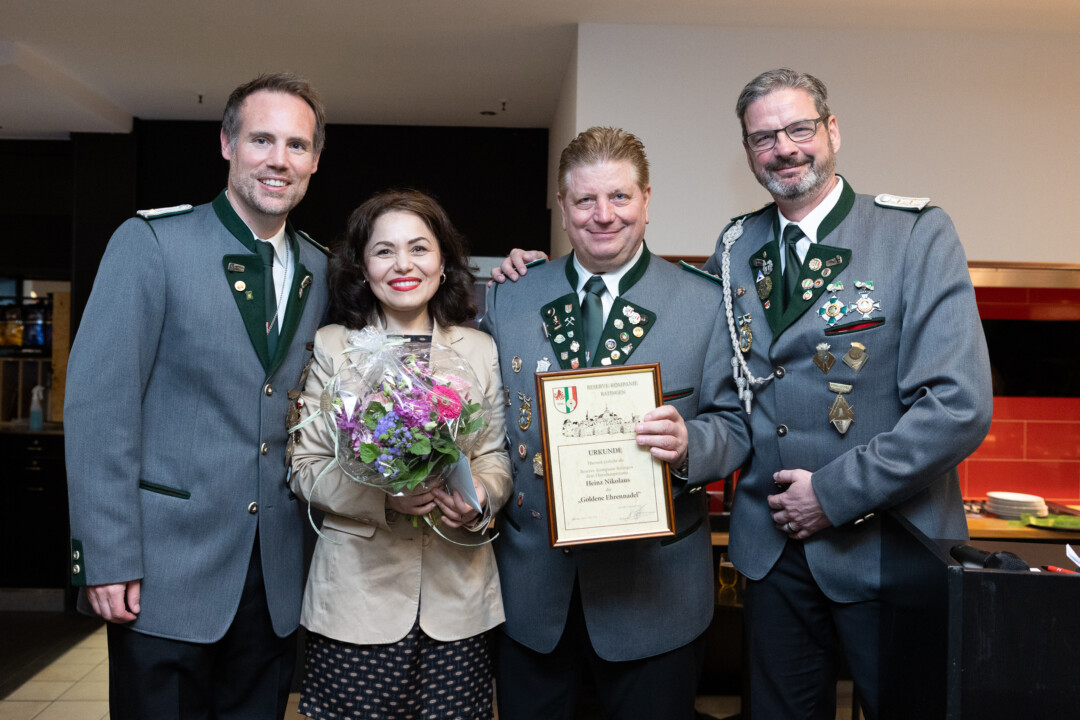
[401,413]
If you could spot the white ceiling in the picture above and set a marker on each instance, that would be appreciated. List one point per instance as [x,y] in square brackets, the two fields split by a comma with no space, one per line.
[91,66]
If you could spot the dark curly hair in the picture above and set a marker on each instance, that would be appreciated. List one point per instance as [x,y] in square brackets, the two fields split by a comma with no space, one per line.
[351,301]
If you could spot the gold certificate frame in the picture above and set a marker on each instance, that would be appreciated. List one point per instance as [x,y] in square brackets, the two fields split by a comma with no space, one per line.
[601,485]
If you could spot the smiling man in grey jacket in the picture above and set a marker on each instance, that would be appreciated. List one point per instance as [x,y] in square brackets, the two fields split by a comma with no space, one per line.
[864,364]
[184,532]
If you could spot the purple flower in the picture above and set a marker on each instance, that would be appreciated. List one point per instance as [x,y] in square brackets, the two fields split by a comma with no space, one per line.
[386,424]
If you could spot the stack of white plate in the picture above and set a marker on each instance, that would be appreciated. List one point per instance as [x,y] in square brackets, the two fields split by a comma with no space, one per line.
[1012,505]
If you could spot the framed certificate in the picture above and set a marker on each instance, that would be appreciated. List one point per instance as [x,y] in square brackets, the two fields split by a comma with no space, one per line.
[601,485]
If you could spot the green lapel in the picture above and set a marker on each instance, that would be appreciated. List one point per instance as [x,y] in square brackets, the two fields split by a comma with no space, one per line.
[627,323]
[562,328]
[820,268]
[818,273]
[768,281]
[298,297]
[244,273]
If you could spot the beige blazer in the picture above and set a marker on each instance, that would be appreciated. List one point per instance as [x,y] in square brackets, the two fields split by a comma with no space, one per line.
[372,568]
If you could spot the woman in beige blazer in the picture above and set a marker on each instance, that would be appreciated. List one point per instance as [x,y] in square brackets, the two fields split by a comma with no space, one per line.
[396,615]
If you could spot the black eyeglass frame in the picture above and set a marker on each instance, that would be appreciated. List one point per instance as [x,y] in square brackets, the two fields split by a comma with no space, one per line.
[775,133]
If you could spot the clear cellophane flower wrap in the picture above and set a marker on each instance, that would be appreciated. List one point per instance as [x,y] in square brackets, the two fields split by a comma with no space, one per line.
[401,413]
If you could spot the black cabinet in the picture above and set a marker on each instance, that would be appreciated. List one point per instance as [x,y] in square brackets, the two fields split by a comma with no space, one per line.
[33,514]
[964,643]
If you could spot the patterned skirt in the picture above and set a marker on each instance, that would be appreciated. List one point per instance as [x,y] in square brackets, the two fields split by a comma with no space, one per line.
[416,678]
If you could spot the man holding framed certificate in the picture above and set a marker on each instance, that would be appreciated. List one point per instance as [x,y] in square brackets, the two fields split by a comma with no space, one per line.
[602,562]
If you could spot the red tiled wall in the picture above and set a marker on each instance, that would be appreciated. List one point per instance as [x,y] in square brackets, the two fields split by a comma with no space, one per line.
[1033,446]
[1034,443]
[1004,303]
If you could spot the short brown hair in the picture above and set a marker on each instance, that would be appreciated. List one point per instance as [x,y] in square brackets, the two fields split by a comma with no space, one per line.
[287,83]
[782,78]
[603,144]
[354,305]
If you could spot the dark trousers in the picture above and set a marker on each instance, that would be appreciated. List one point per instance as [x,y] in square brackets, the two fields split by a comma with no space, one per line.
[244,676]
[538,686]
[794,635]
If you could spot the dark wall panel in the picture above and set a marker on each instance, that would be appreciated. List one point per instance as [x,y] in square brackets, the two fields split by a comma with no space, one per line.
[104,190]
[61,200]
[493,182]
[35,208]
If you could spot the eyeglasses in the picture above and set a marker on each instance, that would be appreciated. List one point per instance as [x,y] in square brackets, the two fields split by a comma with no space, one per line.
[800,132]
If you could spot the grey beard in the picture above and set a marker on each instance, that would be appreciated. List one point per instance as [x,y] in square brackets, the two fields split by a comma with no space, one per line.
[810,184]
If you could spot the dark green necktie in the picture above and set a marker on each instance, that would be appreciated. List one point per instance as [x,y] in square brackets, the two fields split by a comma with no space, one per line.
[266,252]
[792,263]
[592,313]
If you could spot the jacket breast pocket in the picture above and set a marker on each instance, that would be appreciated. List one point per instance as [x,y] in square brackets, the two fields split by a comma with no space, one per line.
[857,326]
[164,490]
[680,394]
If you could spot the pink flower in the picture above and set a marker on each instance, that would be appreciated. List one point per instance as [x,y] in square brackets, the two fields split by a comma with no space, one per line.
[447,401]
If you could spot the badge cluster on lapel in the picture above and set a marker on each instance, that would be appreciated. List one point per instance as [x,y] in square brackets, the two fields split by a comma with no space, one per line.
[627,325]
[820,266]
[563,329]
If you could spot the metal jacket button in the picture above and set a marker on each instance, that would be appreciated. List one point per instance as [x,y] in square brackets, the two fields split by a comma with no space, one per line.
[253,508]
[781,430]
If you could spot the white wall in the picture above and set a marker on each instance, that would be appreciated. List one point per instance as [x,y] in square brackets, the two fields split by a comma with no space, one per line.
[563,129]
[985,125]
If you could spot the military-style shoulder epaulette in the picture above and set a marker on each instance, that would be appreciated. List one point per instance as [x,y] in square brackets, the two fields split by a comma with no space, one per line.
[156,213]
[322,248]
[699,272]
[755,211]
[913,204]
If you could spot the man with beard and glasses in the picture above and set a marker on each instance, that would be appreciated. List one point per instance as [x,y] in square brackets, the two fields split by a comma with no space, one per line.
[863,372]
[865,378]
[184,535]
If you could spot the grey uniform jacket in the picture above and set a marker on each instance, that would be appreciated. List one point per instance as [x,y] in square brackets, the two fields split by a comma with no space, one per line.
[920,404]
[640,597]
[175,421]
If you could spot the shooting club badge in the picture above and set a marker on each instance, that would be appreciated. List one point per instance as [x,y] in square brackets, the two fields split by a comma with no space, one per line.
[564,399]
[866,305]
[841,414]
[856,357]
[763,279]
[823,358]
[764,285]
[525,411]
[833,310]
[746,335]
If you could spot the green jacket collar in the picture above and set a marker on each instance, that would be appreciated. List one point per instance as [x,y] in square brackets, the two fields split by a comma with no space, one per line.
[244,273]
[828,261]
[626,282]
[238,228]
